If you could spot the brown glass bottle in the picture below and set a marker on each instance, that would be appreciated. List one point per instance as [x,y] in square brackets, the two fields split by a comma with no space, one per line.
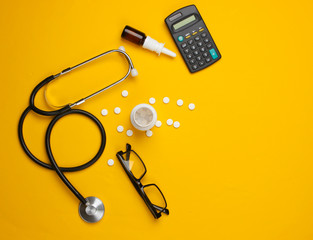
[134,35]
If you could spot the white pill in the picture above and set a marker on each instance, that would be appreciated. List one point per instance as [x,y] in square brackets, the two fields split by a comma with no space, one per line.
[169,122]
[176,124]
[152,100]
[120,128]
[191,106]
[180,102]
[129,133]
[117,110]
[158,123]
[149,133]
[104,112]
[125,93]
[166,100]
[110,162]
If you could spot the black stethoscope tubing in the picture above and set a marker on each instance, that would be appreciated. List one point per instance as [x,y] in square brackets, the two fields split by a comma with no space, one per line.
[54,166]
[64,111]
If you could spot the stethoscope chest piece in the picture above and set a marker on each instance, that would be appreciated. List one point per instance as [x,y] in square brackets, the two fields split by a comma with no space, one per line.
[92,211]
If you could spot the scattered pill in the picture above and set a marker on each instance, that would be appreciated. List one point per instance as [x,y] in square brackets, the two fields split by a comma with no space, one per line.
[152,100]
[169,122]
[125,93]
[166,100]
[158,123]
[129,133]
[110,162]
[191,106]
[176,124]
[104,112]
[180,102]
[117,110]
[120,128]
[149,133]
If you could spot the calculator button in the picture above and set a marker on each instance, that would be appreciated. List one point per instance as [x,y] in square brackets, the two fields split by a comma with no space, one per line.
[199,44]
[193,47]
[198,58]
[208,59]
[186,50]
[192,61]
[202,49]
[209,45]
[206,40]
[195,53]
[205,54]
[213,53]
[197,38]
[180,38]
[203,35]
[201,63]
[195,66]
[184,45]
[190,42]
[189,56]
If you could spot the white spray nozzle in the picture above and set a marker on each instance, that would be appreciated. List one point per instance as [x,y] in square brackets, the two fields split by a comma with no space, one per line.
[168,52]
[157,47]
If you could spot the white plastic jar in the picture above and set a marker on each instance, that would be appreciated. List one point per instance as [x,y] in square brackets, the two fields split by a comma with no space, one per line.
[143,117]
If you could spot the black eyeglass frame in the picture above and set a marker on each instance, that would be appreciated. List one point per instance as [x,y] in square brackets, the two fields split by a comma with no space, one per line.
[139,186]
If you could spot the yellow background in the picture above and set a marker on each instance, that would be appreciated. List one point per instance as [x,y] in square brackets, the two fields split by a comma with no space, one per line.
[239,167]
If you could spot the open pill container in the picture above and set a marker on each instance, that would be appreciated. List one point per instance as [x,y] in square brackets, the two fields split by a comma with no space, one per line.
[143,117]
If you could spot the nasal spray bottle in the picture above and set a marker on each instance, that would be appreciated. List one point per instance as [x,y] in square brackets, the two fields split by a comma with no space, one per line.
[146,42]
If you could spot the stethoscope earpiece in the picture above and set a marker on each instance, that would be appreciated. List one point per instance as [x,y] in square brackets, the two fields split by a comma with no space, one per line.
[134,72]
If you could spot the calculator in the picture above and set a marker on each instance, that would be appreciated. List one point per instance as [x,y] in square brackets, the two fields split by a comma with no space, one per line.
[192,38]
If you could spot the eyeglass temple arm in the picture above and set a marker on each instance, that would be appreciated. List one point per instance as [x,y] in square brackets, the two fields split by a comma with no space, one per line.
[128,149]
[164,210]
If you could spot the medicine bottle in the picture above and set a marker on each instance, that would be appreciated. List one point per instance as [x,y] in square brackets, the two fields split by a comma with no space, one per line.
[143,117]
[134,35]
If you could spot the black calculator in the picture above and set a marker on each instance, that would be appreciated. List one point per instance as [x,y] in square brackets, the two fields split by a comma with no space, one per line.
[192,38]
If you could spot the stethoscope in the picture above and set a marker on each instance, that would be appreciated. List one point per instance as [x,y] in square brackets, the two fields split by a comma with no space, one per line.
[91,209]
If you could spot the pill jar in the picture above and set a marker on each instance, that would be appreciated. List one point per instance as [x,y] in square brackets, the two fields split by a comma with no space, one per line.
[143,117]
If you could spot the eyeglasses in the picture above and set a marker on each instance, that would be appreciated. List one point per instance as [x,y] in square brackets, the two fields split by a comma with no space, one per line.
[136,170]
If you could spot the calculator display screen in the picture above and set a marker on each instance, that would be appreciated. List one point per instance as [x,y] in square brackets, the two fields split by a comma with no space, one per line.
[184,22]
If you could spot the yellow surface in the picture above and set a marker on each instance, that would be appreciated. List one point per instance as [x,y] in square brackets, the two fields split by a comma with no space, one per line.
[239,167]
